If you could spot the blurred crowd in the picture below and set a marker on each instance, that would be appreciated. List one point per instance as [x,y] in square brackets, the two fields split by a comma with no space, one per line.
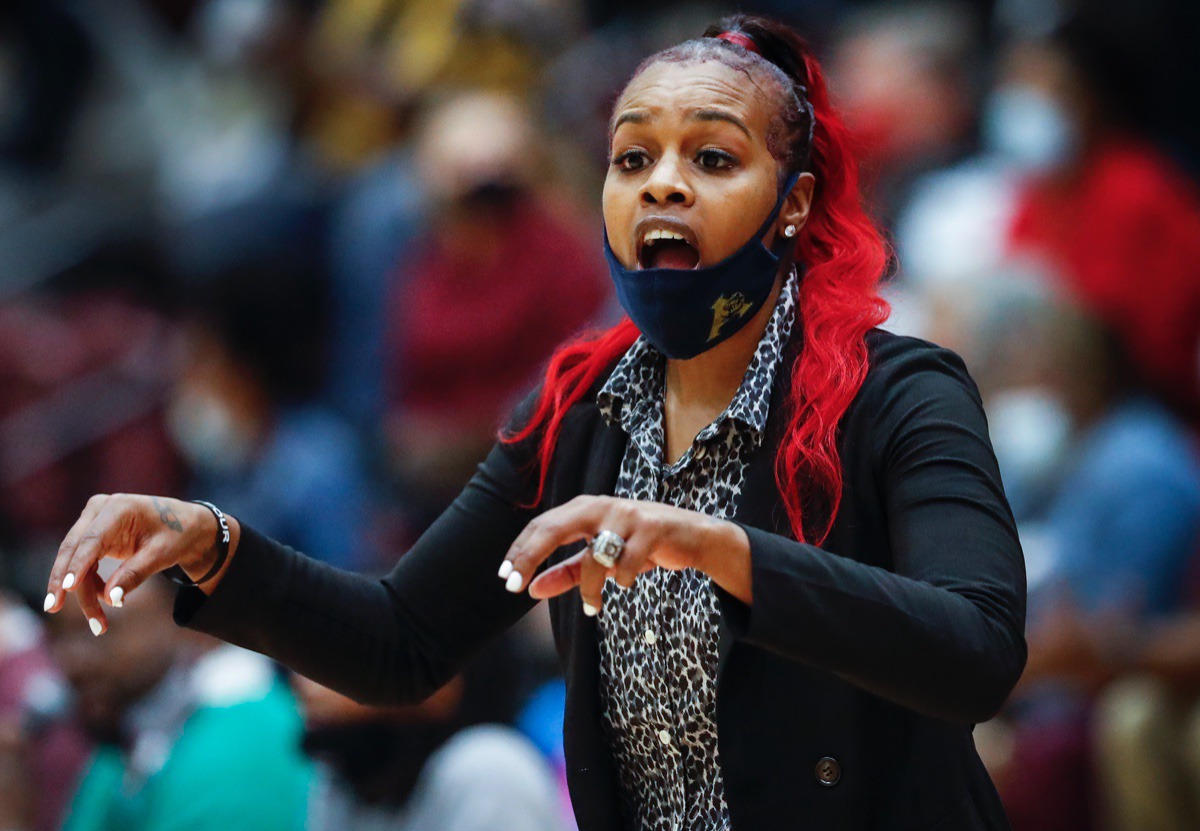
[300,257]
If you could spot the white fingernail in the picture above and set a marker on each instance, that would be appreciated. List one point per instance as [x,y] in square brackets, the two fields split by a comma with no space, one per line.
[514,581]
[96,627]
[48,603]
[589,609]
[116,596]
[506,568]
[68,581]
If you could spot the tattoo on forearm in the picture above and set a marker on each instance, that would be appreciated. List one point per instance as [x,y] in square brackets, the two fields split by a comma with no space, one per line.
[167,514]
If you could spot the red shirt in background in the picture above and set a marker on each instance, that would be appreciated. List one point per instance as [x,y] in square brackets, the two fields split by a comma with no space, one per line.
[482,309]
[1125,236]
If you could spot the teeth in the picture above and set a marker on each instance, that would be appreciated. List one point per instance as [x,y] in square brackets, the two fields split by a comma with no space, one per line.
[662,234]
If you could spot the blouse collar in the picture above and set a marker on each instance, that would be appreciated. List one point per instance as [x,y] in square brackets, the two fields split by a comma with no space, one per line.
[632,395]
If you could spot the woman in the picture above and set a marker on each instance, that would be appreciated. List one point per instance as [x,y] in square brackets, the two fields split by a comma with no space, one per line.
[830,580]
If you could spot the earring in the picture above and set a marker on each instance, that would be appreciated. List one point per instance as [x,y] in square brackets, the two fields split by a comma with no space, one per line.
[789,231]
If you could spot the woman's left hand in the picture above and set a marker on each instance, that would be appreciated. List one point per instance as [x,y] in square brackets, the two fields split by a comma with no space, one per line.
[654,534]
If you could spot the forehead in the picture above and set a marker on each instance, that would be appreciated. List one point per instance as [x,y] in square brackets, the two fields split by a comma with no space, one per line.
[671,89]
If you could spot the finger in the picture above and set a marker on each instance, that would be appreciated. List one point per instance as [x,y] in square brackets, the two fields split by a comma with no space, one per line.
[560,578]
[87,592]
[634,560]
[97,540]
[591,584]
[574,521]
[131,573]
[519,568]
[564,576]
[567,513]
[58,571]
[566,510]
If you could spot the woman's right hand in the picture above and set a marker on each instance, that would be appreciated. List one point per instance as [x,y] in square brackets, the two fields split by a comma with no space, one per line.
[148,534]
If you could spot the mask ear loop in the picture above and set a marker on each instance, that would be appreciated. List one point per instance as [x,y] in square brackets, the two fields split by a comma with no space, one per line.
[788,184]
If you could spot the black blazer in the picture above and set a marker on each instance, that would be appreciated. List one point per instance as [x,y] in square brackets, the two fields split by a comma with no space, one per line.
[846,693]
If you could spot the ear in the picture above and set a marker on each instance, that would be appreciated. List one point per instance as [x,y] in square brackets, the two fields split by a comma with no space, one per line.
[797,204]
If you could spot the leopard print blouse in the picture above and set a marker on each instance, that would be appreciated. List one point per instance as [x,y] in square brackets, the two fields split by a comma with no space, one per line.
[658,639]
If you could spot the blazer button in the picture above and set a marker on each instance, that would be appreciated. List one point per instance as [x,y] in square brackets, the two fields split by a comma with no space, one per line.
[828,771]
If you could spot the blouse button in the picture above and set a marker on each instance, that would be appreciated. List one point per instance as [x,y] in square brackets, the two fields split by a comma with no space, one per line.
[650,637]
[664,737]
[700,451]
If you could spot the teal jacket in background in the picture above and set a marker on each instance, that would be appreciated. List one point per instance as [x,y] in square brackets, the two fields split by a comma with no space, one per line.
[233,768]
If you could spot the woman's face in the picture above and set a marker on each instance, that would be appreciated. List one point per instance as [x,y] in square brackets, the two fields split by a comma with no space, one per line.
[689,157]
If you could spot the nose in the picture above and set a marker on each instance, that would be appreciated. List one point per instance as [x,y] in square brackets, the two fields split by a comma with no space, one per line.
[667,183]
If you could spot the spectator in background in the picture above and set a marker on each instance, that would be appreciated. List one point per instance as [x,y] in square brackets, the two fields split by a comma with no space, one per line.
[373,62]
[190,736]
[41,754]
[243,415]
[235,183]
[412,769]
[502,276]
[1066,179]
[1120,523]
[904,77]
[1108,211]
[1147,726]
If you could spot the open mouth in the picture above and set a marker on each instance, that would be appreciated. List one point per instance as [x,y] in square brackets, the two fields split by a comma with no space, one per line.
[667,251]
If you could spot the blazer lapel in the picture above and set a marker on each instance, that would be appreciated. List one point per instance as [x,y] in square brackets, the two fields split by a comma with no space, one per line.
[604,459]
[590,769]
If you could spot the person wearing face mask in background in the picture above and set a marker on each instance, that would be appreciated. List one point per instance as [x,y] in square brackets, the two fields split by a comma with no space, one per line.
[1111,214]
[1105,483]
[1120,508]
[1067,180]
[243,417]
[501,276]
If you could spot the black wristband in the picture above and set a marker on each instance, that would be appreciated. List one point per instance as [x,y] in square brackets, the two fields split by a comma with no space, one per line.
[177,575]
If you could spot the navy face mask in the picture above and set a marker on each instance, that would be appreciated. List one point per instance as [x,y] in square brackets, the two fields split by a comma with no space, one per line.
[685,312]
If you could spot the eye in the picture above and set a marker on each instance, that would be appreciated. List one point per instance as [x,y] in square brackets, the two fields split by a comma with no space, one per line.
[630,160]
[711,159]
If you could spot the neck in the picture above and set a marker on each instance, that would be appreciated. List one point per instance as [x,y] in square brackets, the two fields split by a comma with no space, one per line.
[710,380]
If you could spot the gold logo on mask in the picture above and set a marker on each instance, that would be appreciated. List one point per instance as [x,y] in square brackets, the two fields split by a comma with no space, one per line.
[726,309]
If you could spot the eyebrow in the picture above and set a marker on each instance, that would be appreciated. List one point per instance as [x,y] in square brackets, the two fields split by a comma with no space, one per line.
[641,117]
[630,116]
[721,115]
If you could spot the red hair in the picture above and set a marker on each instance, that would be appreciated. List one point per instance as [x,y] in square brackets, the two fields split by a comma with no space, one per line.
[844,256]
